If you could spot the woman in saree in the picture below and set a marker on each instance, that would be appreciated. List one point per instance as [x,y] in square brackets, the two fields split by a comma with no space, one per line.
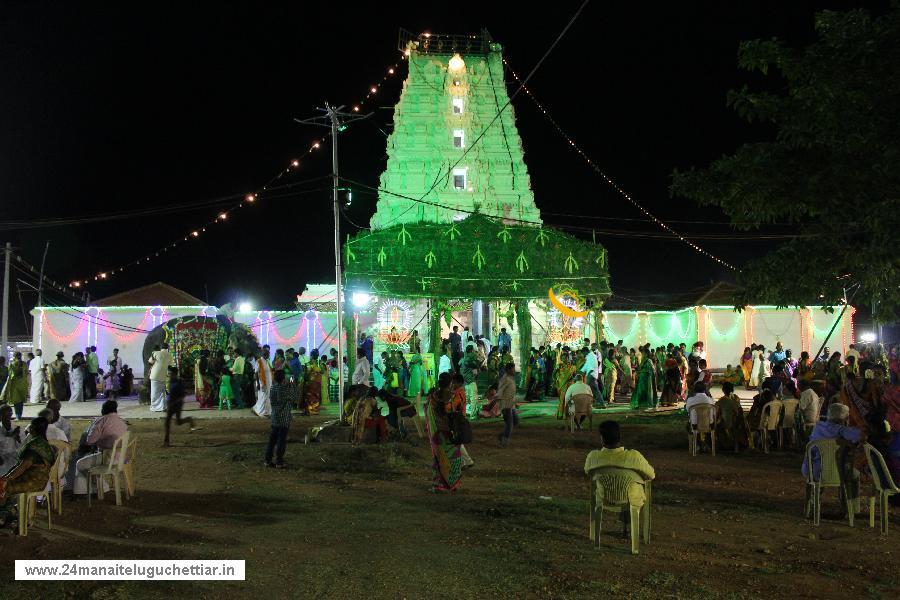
[15,392]
[415,342]
[747,366]
[58,376]
[626,362]
[31,471]
[202,380]
[610,375]
[756,369]
[644,395]
[312,385]
[565,371]
[76,378]
[834,375]
[447,466]
[415,374]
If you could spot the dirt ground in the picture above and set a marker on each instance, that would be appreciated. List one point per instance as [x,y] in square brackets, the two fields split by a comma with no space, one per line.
[344,522]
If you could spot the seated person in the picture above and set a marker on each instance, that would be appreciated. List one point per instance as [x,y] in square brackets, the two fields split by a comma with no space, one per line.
[775,381]
[810,403]
[613,454]
[10,439]
[849,438]
[395,403]
[54,406]
[366,416]
[100,435]
[732,376]
[577,388]
[731,425]
[704,375]
[491,409]
[759,402]
[699,397]
[31,471]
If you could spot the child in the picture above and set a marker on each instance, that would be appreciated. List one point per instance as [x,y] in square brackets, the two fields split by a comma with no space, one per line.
[176,403]
[492,407]
[226,394]
[111,383]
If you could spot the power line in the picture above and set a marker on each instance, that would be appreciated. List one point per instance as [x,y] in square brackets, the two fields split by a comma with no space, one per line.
[609,180]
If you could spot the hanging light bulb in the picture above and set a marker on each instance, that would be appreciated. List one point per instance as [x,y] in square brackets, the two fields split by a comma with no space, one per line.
[295,163]
[457,64]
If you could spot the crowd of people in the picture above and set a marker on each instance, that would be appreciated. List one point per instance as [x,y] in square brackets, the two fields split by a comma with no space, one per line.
[32,379]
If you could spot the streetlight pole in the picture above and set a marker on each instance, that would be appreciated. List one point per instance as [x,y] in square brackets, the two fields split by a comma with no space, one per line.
[336,121]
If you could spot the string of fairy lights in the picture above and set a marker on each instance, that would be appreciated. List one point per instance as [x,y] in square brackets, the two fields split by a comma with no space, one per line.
[609,180]
[249,199]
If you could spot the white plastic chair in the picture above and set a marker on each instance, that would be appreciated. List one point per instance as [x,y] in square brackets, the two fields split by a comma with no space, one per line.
[609,491]
[703,426]
[113,469]
[884,485]
[128,466]
[788,422]
[583,406]
[64,454]
[829,476]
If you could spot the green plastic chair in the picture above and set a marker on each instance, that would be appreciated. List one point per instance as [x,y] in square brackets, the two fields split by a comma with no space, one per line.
[884,485]
[609,492]
[830,476]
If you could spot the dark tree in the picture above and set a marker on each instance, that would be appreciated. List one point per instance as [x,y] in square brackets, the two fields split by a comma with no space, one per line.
[833,168]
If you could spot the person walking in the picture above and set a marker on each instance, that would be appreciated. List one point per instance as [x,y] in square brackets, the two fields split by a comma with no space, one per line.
[38,370]
[15,391]
[176,404]
[281,398]
[506,394]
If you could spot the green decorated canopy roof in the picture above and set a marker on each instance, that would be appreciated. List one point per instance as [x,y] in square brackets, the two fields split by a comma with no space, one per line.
[478,257]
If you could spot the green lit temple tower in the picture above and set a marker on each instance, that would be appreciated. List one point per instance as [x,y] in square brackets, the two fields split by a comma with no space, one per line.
[448,100]
[456,230]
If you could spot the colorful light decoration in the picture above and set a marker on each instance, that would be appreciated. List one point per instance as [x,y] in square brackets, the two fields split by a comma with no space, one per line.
[250,197]
[564,329]
[394,319]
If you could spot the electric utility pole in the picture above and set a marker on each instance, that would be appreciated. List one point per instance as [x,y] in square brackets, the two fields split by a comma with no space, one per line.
[4,335]
[337,121]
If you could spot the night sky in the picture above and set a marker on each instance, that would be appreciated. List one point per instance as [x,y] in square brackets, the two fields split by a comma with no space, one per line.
[109,107]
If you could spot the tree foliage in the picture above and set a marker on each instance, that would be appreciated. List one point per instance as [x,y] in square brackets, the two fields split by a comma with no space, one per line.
[832,169]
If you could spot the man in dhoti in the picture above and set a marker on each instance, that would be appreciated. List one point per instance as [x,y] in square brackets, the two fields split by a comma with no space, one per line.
[263,407]
[160,360]
[38,370]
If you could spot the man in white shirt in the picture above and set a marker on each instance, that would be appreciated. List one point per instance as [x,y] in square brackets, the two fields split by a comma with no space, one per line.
[445,364]
[590,371]
[160,360]
[700,397]
[38,372]
[363,369]
[116,360]
[576,388]
[810,403]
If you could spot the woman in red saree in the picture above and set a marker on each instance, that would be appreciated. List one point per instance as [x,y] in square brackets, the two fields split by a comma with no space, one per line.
[446,470]
[312,385]
[203,380]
